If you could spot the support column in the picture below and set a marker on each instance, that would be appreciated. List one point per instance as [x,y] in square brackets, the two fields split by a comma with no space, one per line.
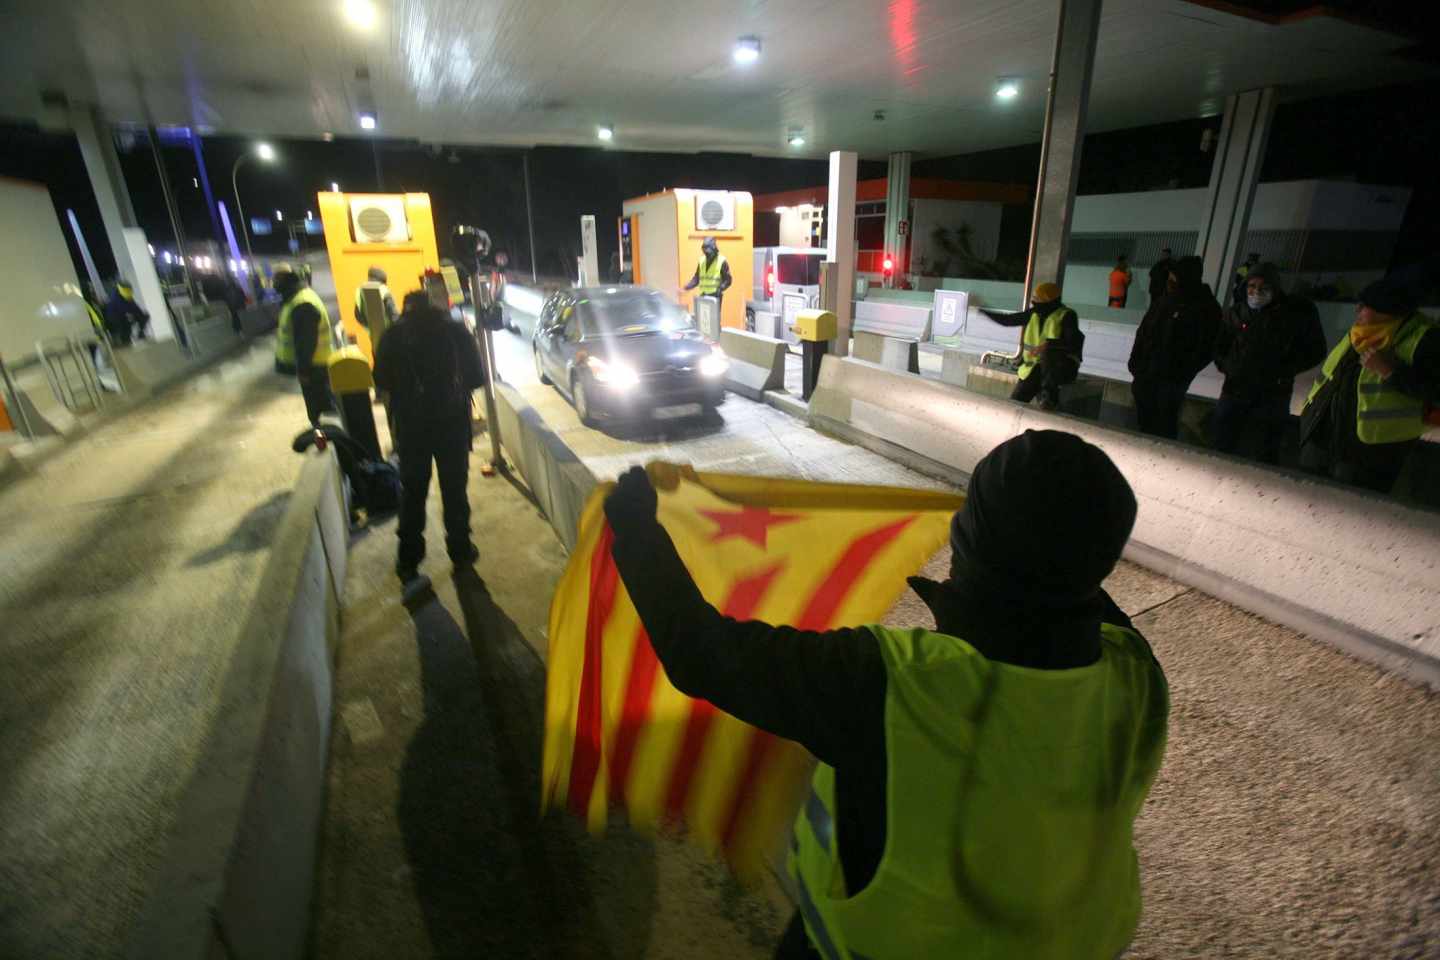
[1244,135]
[1064,135]
[97,147]
[840,244]
[897,211]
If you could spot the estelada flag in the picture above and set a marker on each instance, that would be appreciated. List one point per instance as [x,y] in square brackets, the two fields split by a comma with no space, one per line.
[620,739]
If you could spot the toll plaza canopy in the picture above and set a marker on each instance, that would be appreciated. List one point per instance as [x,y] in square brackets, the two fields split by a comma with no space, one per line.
[524,72]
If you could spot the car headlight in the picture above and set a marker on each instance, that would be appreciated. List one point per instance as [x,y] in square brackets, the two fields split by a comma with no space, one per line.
[616,375]
[714,364]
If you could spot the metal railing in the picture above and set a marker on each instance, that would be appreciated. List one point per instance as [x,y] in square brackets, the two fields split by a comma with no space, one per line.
[71,373]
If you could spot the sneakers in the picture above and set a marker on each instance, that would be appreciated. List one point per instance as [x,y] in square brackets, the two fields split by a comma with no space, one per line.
[413,586]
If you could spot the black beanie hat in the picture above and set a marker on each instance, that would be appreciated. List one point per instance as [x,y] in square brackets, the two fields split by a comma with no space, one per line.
[1389,296]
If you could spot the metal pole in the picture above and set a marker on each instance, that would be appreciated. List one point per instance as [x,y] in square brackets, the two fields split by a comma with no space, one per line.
[174,215]
[1044,162]
[529,217]
[487,349]
[244,227]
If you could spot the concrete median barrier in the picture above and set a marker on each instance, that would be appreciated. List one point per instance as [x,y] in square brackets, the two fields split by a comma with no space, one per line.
[757,363]
[558,479]
[238,875]
[1358,571]
[892,353]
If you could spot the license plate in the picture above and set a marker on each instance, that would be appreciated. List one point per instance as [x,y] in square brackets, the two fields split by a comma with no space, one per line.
[677,411]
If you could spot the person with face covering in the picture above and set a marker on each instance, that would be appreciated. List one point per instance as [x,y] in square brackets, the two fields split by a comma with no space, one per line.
[1377,392]
[712,273]
[1172,344]
[303,341]
[1051,346]
[978,781]
[1265,341]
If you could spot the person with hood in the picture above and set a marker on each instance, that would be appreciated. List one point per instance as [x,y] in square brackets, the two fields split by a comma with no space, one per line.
[303,340]
[712,273]
[429,364]
[1172,344]
[978,781]
[124,318]
[1377,392]
[1051,347]
[1160,274]
[375,279]
[1265,341]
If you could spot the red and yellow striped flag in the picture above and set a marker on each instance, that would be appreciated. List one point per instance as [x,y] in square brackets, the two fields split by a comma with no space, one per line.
[618,736]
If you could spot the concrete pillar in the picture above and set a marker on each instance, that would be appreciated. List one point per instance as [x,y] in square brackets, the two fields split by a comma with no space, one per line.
[840,243]
[97,147]
[1064,134]
[897,211]
[1239,152]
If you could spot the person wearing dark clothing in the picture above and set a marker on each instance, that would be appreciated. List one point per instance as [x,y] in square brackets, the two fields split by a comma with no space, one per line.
[1242,274]
[1376,393]
[1173,343]
[124,318]
[1265,341]
[847,695]
[712,273]
[302,341]
[1051,347]
[1160,275]
[429,364]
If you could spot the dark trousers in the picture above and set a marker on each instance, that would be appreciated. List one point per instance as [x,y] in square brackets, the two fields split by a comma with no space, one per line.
[316,390]
[447,443]
[1271,416]
[1377,471]
[795,942]
[1032,386]
[1157,406]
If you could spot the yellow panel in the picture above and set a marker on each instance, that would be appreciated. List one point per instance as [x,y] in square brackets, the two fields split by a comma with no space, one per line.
[816,325]
[350,371]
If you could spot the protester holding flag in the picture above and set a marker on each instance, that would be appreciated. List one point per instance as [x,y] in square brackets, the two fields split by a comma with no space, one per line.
[977,783]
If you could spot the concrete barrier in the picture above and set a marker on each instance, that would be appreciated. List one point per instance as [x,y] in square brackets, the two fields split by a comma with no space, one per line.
[238,876]
[559,480]
[258,319]
[892,353]
[757,363]
[1358,571]
[893,319]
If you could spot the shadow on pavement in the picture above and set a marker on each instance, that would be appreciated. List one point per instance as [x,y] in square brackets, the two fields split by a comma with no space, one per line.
[652,430]
[250,534]
[493,877]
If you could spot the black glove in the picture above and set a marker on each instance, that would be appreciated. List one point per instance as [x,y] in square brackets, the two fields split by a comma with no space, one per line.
[632,503]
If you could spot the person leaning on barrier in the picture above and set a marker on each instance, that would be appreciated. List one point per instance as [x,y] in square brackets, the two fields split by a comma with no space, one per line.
[1369,405]
[1265,341]
[429,364]
[1173,343]
[303,341]
[978,782]
[712,273]
[1051,348]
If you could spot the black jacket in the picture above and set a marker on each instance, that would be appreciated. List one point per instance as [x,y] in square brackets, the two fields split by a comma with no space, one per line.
[305,330]
[1262,351]
[1177,336]
[429,364]
[1159,277]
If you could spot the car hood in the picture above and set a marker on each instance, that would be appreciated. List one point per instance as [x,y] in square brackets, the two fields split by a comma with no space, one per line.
[652,352]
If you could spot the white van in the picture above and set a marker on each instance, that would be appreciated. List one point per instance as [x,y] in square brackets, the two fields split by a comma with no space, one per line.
[787,280]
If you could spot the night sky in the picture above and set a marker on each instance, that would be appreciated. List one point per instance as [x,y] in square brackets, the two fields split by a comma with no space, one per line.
[1386,136]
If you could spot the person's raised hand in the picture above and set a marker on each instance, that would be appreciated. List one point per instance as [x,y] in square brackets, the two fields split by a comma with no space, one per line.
[632,501]
[1381,362]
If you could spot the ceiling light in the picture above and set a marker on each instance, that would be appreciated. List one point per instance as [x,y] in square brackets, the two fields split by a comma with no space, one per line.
[605,133]
[367,121]
[327,136]
[747,51]
[782,209]
[279,215]
[334,187]
[1006,89]
[309,214]
[360,13]
[797,140]
[265,152]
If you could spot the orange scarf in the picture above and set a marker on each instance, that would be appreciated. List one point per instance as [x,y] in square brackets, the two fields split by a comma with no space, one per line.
[1374,336]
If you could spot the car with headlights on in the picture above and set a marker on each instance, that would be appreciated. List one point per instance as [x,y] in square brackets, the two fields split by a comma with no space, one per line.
[625,352]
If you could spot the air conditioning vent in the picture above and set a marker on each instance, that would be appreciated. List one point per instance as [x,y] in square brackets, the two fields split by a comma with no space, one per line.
[379,220]
[714,210]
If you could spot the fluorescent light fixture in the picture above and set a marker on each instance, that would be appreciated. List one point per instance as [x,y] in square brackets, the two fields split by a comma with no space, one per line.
[232,264]
[244,265]
[367,121]
[309,214]
[782,209]
[279,215]
[1007,89]
[746,51]
[167,257]
[605,133]
[797,140]
[265,152]
[334,187]
[360,14]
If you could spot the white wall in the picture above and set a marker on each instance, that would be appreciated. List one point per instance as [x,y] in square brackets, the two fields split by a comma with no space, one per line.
[34,265]
[657,239]
[1286,205]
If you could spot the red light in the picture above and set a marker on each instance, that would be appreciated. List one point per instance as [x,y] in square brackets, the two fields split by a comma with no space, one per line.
[889,264]
[770,282]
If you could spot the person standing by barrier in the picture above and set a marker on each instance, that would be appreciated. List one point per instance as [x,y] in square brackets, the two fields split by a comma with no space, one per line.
[1173,343]
[1160,275]
[429,364]
[1120,280]
[303,341]
[979,782]
[125,319]
[1051,347]
[375,279]
[1265,341]
[712,273]
[1376,394]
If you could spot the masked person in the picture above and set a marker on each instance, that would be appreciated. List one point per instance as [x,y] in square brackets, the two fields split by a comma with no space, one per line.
[1368,407]
[978,782]
[124,318]
[429,364]
[303,341]
[712,273]
[1265,341]
[1051,347]
[1173,343]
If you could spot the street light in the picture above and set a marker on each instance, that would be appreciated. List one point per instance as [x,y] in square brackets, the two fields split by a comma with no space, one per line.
[267,155]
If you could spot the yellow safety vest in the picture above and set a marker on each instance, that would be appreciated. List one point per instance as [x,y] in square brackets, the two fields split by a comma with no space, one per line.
[1037,331]
[709,275]
[1384,414]
[95,320]
[1011,797]
[285,335]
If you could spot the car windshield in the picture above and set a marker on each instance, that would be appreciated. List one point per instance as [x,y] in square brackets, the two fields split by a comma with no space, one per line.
[632,315]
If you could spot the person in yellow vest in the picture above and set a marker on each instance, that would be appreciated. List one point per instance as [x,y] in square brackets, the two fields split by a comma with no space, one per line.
[712,273]
[1369,404]
[979,781]
[303,341]
[1051,347]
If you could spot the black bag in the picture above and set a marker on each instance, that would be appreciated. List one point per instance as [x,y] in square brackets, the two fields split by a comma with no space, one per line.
[375,484]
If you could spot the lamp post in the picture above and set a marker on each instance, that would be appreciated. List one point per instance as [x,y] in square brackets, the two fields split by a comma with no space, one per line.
[267,154]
